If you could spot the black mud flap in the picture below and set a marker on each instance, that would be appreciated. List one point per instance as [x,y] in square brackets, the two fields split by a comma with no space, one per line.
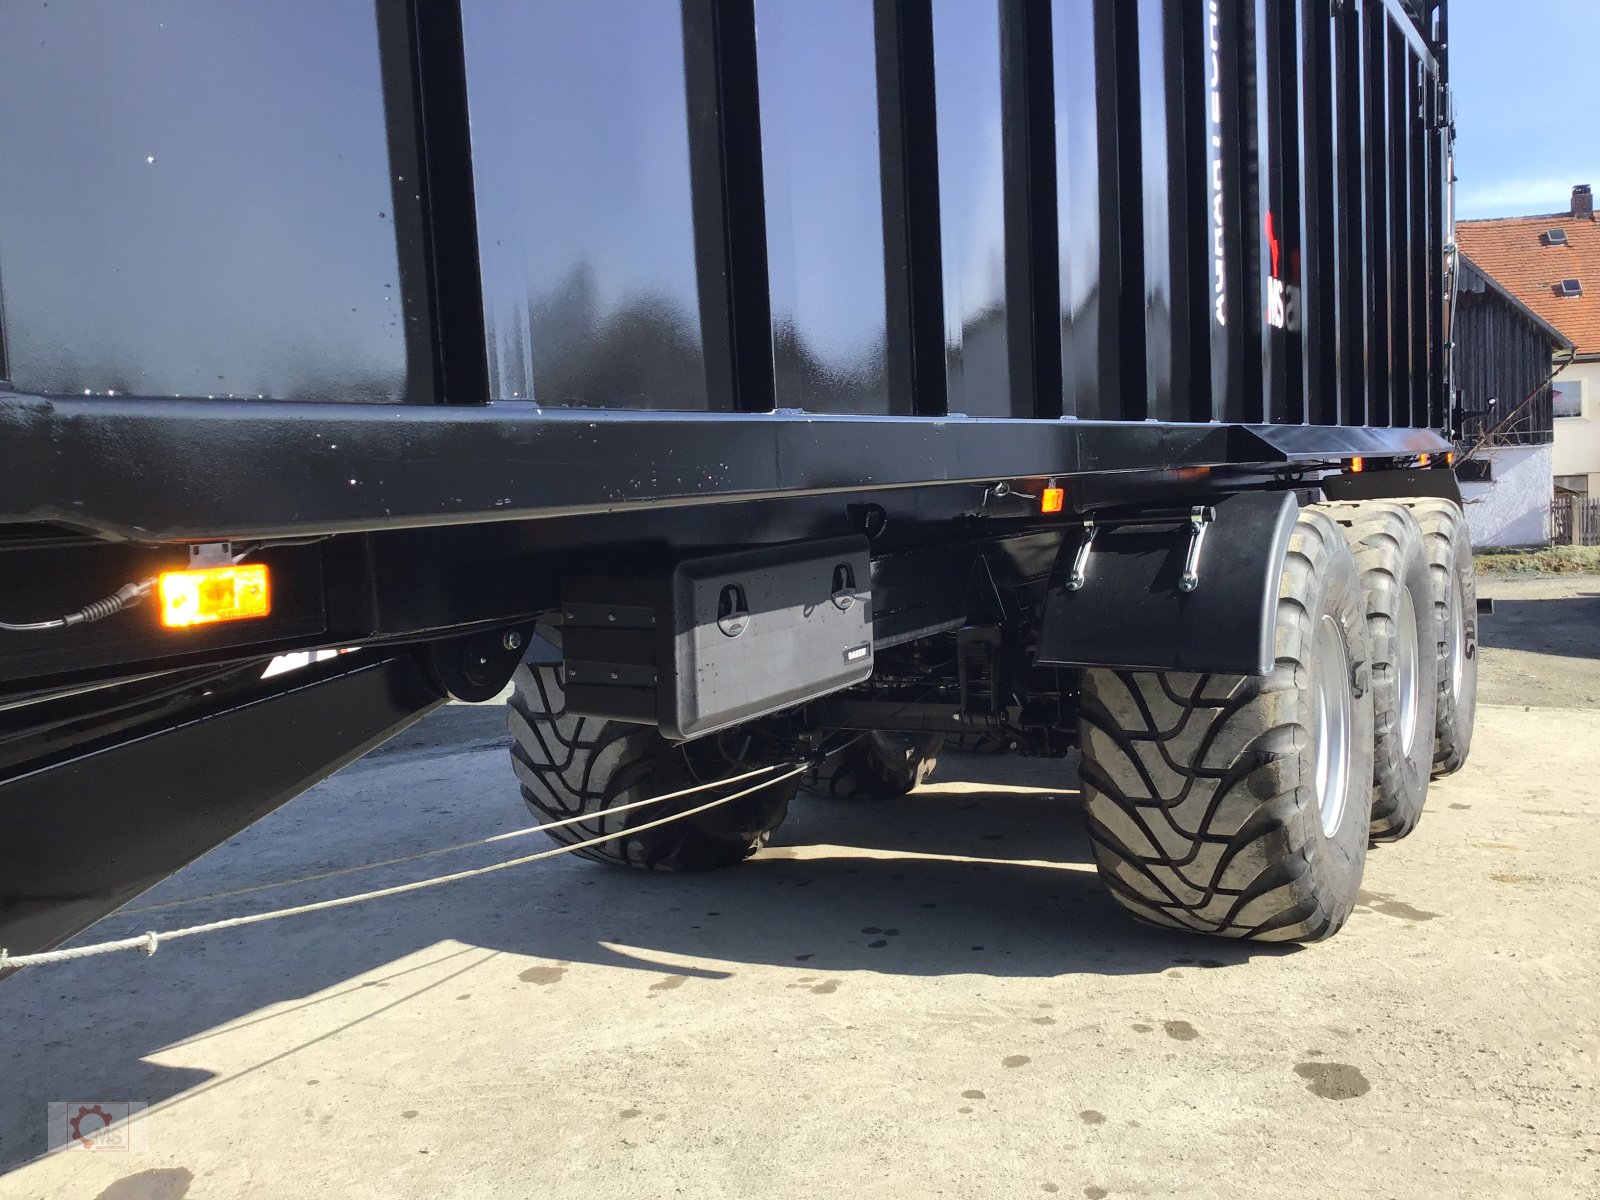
[1393,484]
[1188,588]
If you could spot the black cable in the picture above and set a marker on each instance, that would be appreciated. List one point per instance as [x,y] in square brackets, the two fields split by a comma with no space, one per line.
[127,596]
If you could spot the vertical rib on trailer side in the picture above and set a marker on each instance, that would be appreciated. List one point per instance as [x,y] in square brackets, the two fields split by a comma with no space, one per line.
[1320,229]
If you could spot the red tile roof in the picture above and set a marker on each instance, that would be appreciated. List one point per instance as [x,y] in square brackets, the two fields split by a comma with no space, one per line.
[1515,252]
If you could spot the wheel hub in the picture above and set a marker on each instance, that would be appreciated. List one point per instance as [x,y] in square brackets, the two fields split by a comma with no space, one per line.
[1458,637]
[1332,719]
[1407,674]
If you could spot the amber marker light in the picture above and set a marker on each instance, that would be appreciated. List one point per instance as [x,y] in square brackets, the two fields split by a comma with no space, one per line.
[202,597]
[1052,499]
[1357,465]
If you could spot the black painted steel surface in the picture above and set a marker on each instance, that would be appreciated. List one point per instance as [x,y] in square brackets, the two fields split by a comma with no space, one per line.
[164,792]
[261,470]
[1176,210]
[581,277]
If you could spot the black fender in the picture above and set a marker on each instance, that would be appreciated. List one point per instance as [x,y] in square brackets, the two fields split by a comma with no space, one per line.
[1131,609]
[1393,485]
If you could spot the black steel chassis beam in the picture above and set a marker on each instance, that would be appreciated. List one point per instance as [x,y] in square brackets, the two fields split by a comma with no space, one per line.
[849,712]
[83,835]
[156,470]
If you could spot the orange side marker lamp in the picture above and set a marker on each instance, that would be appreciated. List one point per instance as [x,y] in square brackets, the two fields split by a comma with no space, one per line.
[236,592]
[1053,499]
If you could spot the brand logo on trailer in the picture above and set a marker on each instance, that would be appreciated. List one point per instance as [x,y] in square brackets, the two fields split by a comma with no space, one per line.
[1219,261]
[1282,310]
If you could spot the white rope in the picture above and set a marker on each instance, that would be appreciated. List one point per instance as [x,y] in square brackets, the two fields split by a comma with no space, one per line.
[498,837]
[150,942]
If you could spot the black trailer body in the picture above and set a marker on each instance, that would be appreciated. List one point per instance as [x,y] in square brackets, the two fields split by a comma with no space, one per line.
[436,309]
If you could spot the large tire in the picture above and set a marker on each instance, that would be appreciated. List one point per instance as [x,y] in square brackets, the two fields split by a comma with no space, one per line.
[1389,551]
[580,766]
[878,765]
[1202,793]
[1455,603]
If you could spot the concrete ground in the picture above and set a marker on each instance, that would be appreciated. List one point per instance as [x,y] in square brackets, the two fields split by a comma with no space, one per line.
[925,998]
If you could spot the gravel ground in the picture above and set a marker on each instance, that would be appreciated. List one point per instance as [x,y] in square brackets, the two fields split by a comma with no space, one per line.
[925,998]
[1542,645]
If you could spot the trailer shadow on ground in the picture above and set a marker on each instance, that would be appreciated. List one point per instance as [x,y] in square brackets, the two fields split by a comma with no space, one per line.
[1562,627]
[993,879]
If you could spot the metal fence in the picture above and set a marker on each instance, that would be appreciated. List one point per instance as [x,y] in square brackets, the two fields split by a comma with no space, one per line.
[1574,521]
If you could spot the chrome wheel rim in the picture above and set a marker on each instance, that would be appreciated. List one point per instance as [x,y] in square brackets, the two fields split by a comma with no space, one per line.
[1407,676]
[1331,723]
[1458,637]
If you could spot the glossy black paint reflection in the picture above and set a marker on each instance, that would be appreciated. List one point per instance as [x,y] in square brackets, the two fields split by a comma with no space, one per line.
[966,55]
[907,206]
[280,470]
[1077,201]
[239,754]
[1155,201]
[824,195]
[199,200]
[580,142]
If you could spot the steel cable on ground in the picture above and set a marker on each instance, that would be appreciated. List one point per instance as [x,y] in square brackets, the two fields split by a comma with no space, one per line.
[421,854]
[151,941]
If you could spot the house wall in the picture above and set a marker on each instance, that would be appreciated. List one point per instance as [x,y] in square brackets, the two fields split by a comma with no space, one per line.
[1578,438]
[1501,363]
[1513,509]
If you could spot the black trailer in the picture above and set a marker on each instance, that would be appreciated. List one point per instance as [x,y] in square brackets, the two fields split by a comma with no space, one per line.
[746,380]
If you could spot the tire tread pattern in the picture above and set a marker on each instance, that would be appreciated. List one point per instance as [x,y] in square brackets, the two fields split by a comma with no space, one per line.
[1449,547]
[572,766]
[877,766]
[1388,546]
[1199,802]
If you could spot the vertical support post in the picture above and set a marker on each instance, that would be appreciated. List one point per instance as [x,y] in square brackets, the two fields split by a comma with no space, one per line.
[1422,273]
[1438,218]
[1320,230]
[1352,226]
[1123,385]
[730,224]
[913,271]
[424,70]
[1189,207]
[1229,305]
[1032,268]
[5,360]
[1380,377]
[1287,394]
[1399,157]
[1442,173]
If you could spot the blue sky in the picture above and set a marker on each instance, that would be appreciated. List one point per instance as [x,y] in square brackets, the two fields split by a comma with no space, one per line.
[1523,78]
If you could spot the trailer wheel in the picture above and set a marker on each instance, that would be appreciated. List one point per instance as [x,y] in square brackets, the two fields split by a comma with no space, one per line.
[571,766]
[1393,561]
[879,765]
[1455,603]
[1238,805]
